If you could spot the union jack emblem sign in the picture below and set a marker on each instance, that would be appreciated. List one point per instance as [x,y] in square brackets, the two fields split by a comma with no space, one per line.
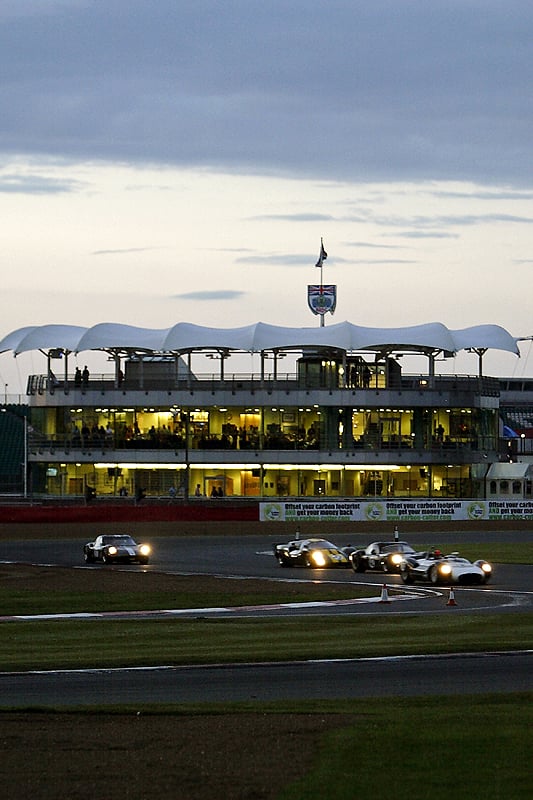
[322,299]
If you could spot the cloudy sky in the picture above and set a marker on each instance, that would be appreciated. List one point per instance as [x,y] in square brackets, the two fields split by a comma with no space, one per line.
[180,160]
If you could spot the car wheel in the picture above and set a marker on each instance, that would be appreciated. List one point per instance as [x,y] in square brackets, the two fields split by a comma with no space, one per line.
[406,576]
[434,576]
[358,564]
[106,559]
[283,563]
[88,558]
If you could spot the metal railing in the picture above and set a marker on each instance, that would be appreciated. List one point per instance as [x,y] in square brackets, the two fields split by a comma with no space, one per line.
[39,442]
[254,382]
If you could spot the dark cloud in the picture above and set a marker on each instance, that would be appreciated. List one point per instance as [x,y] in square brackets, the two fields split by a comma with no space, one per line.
[385,261]
[121,251]
[37,184]
[451,220]
[426,235]
[372,245]
[208,295]
[300,217]
[282,259]
[340,89]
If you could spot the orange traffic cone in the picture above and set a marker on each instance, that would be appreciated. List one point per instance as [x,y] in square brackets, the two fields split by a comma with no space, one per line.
[451,599]
[384,595]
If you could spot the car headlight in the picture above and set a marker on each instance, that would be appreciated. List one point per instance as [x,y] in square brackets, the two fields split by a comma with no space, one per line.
[318,559]
[144,549]
[445,569]
[112,551]
[486,567]
[396,559]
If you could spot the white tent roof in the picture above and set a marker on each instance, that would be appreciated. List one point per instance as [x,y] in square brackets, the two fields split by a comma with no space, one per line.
[508,471]
[184,336]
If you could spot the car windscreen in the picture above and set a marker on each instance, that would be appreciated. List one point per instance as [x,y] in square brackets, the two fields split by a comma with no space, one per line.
[322,545]
[397,547]
[119,540]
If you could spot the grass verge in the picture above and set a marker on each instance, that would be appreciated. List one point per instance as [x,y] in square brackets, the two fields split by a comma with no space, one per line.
[31,590]
[431,747]
[410,749]
[495,552]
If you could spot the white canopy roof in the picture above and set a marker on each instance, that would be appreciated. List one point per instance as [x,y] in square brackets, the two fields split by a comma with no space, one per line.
[184,337]
[505,470]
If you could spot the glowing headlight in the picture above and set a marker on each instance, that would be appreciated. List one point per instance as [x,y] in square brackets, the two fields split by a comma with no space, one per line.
[112,551]
[396,559]
[445,569]
[486,567]
[318,558]
[144,549]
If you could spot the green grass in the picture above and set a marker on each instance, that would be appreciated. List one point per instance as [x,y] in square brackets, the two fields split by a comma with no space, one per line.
[495,552]
[438,748]
[77,644]
[235,593]
[459,747]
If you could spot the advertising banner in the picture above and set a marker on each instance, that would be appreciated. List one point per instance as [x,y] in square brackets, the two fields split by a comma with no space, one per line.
[394,510]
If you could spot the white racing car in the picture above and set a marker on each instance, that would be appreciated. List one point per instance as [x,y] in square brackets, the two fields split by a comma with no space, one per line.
[433,567]
[112,548]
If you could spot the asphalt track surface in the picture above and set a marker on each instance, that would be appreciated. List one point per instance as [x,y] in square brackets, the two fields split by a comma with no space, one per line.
[242,557]
[310,680]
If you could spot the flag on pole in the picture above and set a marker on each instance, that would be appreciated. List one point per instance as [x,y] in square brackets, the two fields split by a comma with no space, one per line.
[323,255]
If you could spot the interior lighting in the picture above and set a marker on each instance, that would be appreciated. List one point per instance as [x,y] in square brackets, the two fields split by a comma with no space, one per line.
[100,465]
[372,467]
[226,466]
[302,467]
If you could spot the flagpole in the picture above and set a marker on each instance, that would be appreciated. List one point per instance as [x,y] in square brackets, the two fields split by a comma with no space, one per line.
[322,316]
[317,300]
[322,256]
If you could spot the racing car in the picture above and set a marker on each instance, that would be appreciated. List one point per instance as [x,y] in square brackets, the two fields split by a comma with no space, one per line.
[111,548]
[316,553]
[433,567]
[380,556]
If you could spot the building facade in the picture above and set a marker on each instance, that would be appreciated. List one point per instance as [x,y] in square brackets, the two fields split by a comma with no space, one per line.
[321,417]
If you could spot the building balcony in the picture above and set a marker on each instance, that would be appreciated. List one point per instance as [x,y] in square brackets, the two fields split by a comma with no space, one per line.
[214,449]
[253,389]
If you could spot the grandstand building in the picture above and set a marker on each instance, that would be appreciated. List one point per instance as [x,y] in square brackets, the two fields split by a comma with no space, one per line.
[332,412]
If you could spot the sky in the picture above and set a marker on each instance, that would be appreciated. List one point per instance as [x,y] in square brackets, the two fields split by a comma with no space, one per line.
[181,160]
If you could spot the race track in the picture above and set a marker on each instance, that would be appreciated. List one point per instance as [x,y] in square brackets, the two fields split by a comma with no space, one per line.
[243,557]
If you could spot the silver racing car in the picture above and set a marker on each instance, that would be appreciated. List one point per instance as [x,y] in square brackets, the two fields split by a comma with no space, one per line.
[432,566]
